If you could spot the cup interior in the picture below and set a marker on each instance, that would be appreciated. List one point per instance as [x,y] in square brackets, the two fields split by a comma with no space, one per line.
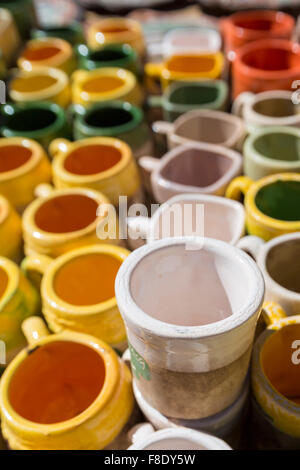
[190,63]
[107,117]
[276,107]
[87,279]
[66,213]
[31,119]
[276,360]
[194,95]
[13,156]
[188,287]
[280,200]
[271,59]
[205,128]
[258,24]
[56,382]
[102,84]
[174,443]
[278,146]
[29,83]
[92,159]
[35,53]
[108,55]
[282,264]
[3,282]
[196,167]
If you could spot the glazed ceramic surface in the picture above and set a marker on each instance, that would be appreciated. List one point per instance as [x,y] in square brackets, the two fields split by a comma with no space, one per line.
[10,40]
[111,55]
[10,223]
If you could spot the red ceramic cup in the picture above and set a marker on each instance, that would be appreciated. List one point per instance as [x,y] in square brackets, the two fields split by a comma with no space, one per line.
[268,64]
[243,27]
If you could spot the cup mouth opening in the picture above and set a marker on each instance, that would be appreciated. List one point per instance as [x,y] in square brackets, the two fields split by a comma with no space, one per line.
[76,161]
[112,117]
[45,51]
[33,160]
[287,112]
[268,145]
[274,189]
[117,29]
[22,155]
[53,81]
[180,64]
[34,120]
[255,22]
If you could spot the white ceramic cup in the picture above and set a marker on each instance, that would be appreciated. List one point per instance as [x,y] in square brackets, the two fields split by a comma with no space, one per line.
[278,260]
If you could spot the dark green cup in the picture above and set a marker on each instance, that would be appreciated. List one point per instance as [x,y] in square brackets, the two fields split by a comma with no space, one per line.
[41,121]
[72,33]
[24,14]
[112,119]
[112,55]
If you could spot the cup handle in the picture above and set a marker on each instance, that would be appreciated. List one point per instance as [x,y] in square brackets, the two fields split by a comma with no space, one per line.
[162,127]
[273,313]
[34,328]
[152,72]
[155,101]
[43,190]
[140,431]
[126,356]
[58,145]
[35,267]
[237,187]
[138,227]
[149,164]
[251,244]
[240,101]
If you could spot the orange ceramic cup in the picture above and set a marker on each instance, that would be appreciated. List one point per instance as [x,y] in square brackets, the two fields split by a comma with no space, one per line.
[246,26]
[268,64]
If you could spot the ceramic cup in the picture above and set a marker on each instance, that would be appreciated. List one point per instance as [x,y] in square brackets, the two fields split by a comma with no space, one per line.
[188,66]
[105,84]
[24,14]
[181,97]
[113,119]
[269,108]
[72,32]
[205,125]
[145,437]
[10,40]
[41,84]
[10,223]
[116,30]
[271,203]
[192,168]
[23,165]
[77,291]
[71,361]
[272,150]
[49,52]
[268,64]
[277,260]
[190,306]
[18,300]
[42,121]
[246,26]
[59,220]
[102,163]
[275,382]
[111,55]
[222,220]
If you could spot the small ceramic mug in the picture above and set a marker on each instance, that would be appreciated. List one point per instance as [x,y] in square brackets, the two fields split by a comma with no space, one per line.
[275,376]
[18,300]
[268,64]
[269,108]
[10,223]
[40,120]
[185,67]
[23,165]
[72,32]
[114,119]
[111,55]
[190,306]
[192,168]
[272,203]
[144,437]
[205,125]
[77,291]
[60,220]
[116,31]
[10,40]
[272,150]
[102,163]
[81,375]
[181,97]
[278,261]
[49,52]
[24,14]
[105,84]
[41,84]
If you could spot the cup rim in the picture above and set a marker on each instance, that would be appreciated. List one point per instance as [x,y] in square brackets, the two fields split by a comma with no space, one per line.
[250,112]
[134,30]
[65,53]
[37,153]
[287,21]
[132,312]
[130,56]
[217,57]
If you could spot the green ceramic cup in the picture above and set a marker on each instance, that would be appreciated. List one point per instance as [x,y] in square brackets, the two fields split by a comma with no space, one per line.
[41,121]
[112,55]
[72,33]
[113,119]
[23,12]
[181,97]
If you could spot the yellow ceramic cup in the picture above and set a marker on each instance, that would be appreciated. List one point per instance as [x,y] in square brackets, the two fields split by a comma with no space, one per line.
[23,165]
[105,84]
[18,300]
[10,231]
[185,67]
[272,203]
[41,84]
[93,428]
[49,52]
[102,163]
[10,40]
[60,220]
[116,31]
[77,291]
